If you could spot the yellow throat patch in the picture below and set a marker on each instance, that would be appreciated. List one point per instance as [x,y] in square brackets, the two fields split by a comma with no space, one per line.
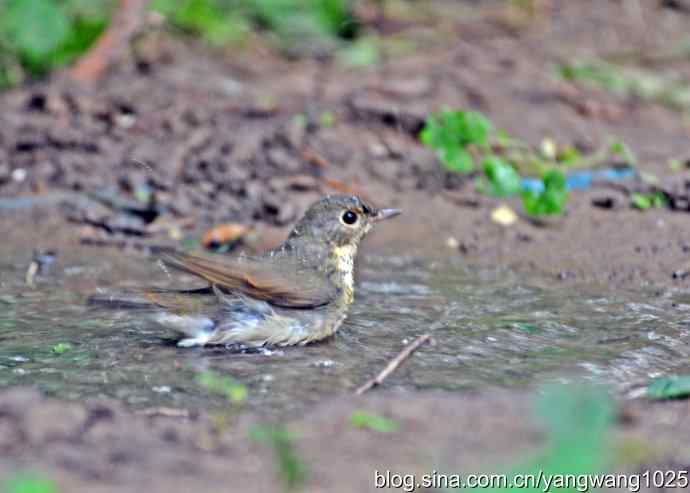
[345,266]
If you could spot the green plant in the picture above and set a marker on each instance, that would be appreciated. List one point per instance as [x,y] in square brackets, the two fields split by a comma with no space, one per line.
[577,418]
[207,19]
[44,34]
[669,387]
[550,200]
[454,135]
[28,483]
[228,387]
[503,180]
[647,201]
[461,139]
[62,347]
[645,84]
[363,419]
[293,471]
[293,22]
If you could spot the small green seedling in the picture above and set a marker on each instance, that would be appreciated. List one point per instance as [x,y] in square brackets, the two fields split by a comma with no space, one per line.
[28,483]
[62,347]
[228,387]
[503,180]
[44,34]
[452,134]
[551,200]
[292,470]
[647,201]
[674,387]
[577,419]
[362,419]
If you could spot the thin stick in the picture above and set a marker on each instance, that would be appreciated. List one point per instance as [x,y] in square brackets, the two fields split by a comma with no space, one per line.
[394,364]
[111,45]
[167,412]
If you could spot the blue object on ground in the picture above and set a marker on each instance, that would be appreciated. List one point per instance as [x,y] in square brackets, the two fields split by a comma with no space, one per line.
[582,180]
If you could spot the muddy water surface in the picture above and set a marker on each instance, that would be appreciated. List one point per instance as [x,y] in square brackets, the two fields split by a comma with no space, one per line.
[491,328]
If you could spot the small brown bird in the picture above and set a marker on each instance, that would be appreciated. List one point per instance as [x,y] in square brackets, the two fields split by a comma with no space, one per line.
[295,294]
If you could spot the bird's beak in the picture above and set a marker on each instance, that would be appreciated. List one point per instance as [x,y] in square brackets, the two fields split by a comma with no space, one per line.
[382,214]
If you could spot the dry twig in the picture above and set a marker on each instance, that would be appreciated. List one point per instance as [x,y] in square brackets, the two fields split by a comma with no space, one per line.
[394,364]
[125,23]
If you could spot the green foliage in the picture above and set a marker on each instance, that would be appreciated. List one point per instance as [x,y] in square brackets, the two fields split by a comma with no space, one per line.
[503,180]
[294,22]
[578,419]
[669,387]
[28,483]
[44,34]
[361,53]
[62,347]
[528,328]
[551,200]
[645,84]
[293,471]
[461,139]
[36,29]
[206,18]
[619,148]
[452,133]
[362,419]
[228,387]
[647,201]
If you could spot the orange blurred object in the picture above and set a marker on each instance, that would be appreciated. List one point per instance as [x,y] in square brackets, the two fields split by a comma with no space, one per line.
[224,234]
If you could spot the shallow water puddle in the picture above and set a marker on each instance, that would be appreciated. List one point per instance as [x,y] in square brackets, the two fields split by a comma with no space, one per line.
[490,328]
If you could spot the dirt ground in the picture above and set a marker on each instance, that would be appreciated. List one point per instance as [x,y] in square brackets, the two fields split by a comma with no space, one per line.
[100,446]
[177,140]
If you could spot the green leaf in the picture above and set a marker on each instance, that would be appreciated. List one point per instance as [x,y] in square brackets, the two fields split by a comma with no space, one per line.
[646,201]
[456,159]
[529,328]
[450,133]
[569,156]
[551,200]
[337,16]
[292,469]
[83,33]
[669,387]
[361,53]
[362,419]
[577,419]
[503,180]
[26,483]
[215,25]
[620,149]
[62,347]
[36,29]
[226,386]
[641,201]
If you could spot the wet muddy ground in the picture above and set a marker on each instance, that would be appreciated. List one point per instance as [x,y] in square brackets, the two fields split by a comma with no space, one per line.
[177,141]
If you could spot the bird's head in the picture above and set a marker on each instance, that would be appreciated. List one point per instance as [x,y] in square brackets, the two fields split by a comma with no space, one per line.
[339,220]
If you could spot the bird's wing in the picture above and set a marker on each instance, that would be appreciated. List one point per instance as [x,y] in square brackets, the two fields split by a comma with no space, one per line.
[281,281]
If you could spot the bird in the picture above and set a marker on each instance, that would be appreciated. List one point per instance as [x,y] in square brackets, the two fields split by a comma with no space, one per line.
[295,294]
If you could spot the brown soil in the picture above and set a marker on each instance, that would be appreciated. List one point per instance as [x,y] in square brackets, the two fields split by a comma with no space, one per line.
[177,140]
[100,446]
[200,142]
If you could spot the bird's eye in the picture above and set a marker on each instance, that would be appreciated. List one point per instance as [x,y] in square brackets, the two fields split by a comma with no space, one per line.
[349,218]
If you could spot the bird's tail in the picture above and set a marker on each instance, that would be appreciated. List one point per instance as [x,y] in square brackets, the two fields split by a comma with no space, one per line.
[147,299]
[184,312]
